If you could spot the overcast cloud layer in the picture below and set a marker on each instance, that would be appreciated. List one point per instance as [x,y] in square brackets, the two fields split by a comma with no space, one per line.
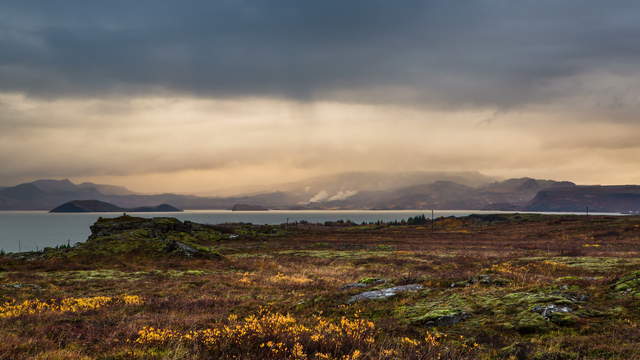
[208,91]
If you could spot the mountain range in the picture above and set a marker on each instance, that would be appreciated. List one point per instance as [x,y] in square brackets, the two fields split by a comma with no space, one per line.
[355,190]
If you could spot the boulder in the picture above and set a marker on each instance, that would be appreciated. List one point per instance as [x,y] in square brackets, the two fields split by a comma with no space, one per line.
[441,317]
[181,248]
[384,293]
[548,310]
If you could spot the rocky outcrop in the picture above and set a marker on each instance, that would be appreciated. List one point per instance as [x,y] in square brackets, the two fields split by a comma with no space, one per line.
[157,226]
[547,311]
[128,234]
[384,293]
[181,248]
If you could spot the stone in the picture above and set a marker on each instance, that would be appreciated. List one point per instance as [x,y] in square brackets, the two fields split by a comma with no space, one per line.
[182,248]
[384,293]
[442,317]
[548,310]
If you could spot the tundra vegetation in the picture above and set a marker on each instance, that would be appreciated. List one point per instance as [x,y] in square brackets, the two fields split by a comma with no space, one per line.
[516,286]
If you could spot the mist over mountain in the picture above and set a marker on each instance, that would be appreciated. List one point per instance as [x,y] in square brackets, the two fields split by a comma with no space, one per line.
[354,190]
[343,186]
[512,194]
[106,189]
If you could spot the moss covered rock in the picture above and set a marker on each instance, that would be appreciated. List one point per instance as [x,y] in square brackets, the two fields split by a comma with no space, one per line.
[441,317]
[128,235]
[628,284]
[525,312]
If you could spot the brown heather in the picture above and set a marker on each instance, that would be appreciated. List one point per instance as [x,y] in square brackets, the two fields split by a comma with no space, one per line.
[282,297]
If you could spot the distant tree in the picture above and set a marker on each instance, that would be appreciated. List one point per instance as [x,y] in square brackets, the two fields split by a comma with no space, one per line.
[417,220]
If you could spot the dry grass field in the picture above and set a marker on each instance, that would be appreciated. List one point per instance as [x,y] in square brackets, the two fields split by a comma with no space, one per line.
[481,287]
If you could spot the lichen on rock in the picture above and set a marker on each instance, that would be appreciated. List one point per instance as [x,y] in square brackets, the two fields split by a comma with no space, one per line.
[384,293]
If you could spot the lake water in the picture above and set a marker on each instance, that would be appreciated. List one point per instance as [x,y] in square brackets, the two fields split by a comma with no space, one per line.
[33,230]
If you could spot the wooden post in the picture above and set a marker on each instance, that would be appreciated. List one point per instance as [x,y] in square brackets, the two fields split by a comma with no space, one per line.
[432,219]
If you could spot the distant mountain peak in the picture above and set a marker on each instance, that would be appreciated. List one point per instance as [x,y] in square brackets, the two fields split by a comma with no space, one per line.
[52,185]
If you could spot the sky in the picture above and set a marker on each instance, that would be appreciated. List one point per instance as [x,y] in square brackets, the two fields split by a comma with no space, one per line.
[211,97]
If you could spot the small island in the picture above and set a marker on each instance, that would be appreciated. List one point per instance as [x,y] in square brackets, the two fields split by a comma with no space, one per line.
[248,207]
[85,206]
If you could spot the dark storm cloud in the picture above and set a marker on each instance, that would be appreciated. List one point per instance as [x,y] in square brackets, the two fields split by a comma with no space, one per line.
[477,53]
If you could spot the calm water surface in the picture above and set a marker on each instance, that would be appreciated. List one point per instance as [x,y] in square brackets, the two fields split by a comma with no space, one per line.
[33,230]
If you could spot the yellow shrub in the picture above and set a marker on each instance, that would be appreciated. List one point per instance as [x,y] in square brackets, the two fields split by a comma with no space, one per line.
[269,335]
[290,279]
[73,305]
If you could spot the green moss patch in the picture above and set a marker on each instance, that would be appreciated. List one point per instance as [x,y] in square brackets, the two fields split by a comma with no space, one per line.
[521,311]
[106,274]
[628,284]
[595,264]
